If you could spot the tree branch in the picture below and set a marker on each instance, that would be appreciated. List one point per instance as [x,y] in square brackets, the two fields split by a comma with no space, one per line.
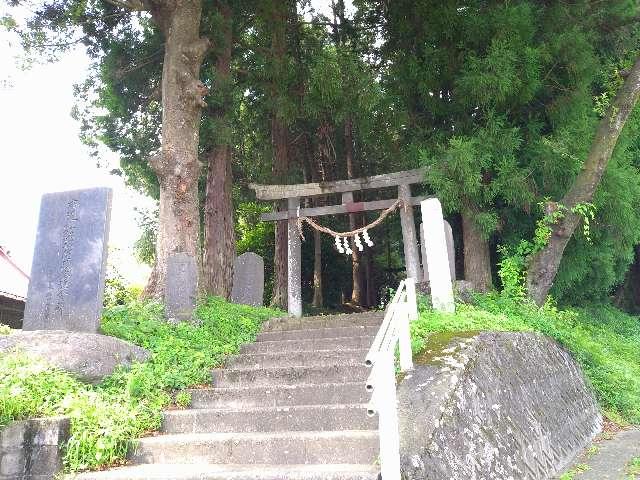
[133,5]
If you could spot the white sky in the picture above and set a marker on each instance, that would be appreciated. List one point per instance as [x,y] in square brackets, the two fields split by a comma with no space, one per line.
[40,152]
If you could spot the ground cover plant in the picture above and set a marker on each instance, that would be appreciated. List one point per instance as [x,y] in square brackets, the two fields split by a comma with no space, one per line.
[604,340]
[106,417]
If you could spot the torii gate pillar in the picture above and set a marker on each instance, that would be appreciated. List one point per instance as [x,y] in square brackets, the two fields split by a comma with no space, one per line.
[409,240]
[294,261]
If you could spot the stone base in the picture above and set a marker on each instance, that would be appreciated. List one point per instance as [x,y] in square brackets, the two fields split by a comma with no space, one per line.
[494,405]
[89,356]
[30,449]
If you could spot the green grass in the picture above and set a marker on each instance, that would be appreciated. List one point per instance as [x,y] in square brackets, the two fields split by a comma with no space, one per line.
[571,474]
[633,469]
[604,341]
[105,418]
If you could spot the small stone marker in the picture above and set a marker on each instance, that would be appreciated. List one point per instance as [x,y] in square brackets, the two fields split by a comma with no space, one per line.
[437,257]
[448,232]
[248,280]
[69,261]
[181,287]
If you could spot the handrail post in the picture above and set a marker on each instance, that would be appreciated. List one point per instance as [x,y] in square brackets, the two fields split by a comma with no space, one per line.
[412,301]
[404,338]
[388,421]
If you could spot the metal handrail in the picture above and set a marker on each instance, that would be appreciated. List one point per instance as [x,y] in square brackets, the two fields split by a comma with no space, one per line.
[393,331]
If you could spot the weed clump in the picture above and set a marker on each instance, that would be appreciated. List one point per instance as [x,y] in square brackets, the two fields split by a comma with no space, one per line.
[105,418]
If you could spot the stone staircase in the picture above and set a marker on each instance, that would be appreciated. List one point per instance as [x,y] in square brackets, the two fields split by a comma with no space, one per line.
[290,406]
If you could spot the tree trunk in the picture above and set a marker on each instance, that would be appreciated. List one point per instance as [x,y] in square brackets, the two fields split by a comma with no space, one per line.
[219,234]
[357,289]
[477,262]
[219,245]
[627,296]
[371,299]
[277,17]
[280,140]
[544,265]
[318,299]
[177,165]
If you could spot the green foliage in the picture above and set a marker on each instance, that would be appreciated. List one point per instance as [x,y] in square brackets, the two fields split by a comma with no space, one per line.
[107,417]
[103,422]
[512,267]
[503,101]
[633,468]
[184,353]
[5,329]
[602,339]
[578,469]
[144,247]
[116,292]
[183,399]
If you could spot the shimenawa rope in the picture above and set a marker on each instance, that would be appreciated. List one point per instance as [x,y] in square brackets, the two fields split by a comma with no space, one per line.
[320,228]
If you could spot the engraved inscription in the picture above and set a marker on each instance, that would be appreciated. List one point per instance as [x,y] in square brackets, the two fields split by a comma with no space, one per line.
[68,241]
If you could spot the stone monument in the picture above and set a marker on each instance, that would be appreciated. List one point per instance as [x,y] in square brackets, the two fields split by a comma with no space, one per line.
[435,245]
[248,280]
[69,261]
[181,287]
[448,234]
[64,300]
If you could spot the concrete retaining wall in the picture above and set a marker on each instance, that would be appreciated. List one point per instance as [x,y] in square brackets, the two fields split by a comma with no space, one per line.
[504,406]
[30,449]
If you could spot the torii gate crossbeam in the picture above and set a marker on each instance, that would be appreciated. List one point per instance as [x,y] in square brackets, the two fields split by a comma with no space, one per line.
[293,194]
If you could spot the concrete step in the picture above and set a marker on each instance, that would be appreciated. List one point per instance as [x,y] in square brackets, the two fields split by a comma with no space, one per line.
[279,395]
[270,419]
[308,345]
[289,375]
[290,359]
[336,332]
[323,321]
[234,472]
[275,448]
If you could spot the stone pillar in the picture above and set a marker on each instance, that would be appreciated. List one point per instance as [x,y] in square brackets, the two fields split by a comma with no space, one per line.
[411,255]
[294,261]
[437,257]
[448,233]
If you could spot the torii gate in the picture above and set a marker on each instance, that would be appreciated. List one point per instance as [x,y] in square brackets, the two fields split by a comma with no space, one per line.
[431,213]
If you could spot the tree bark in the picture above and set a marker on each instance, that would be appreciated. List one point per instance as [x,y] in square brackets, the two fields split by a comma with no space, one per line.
[544,264]
[280,141]
[278,15]
[219,234]
[477,260]
[176,166]
[357,288]
[319,174]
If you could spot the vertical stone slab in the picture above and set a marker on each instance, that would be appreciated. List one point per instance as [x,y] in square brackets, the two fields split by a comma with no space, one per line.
[437,256]
[294,261]
[448,232]
[248,280]
[181,289]
[69,261]
[409,240]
